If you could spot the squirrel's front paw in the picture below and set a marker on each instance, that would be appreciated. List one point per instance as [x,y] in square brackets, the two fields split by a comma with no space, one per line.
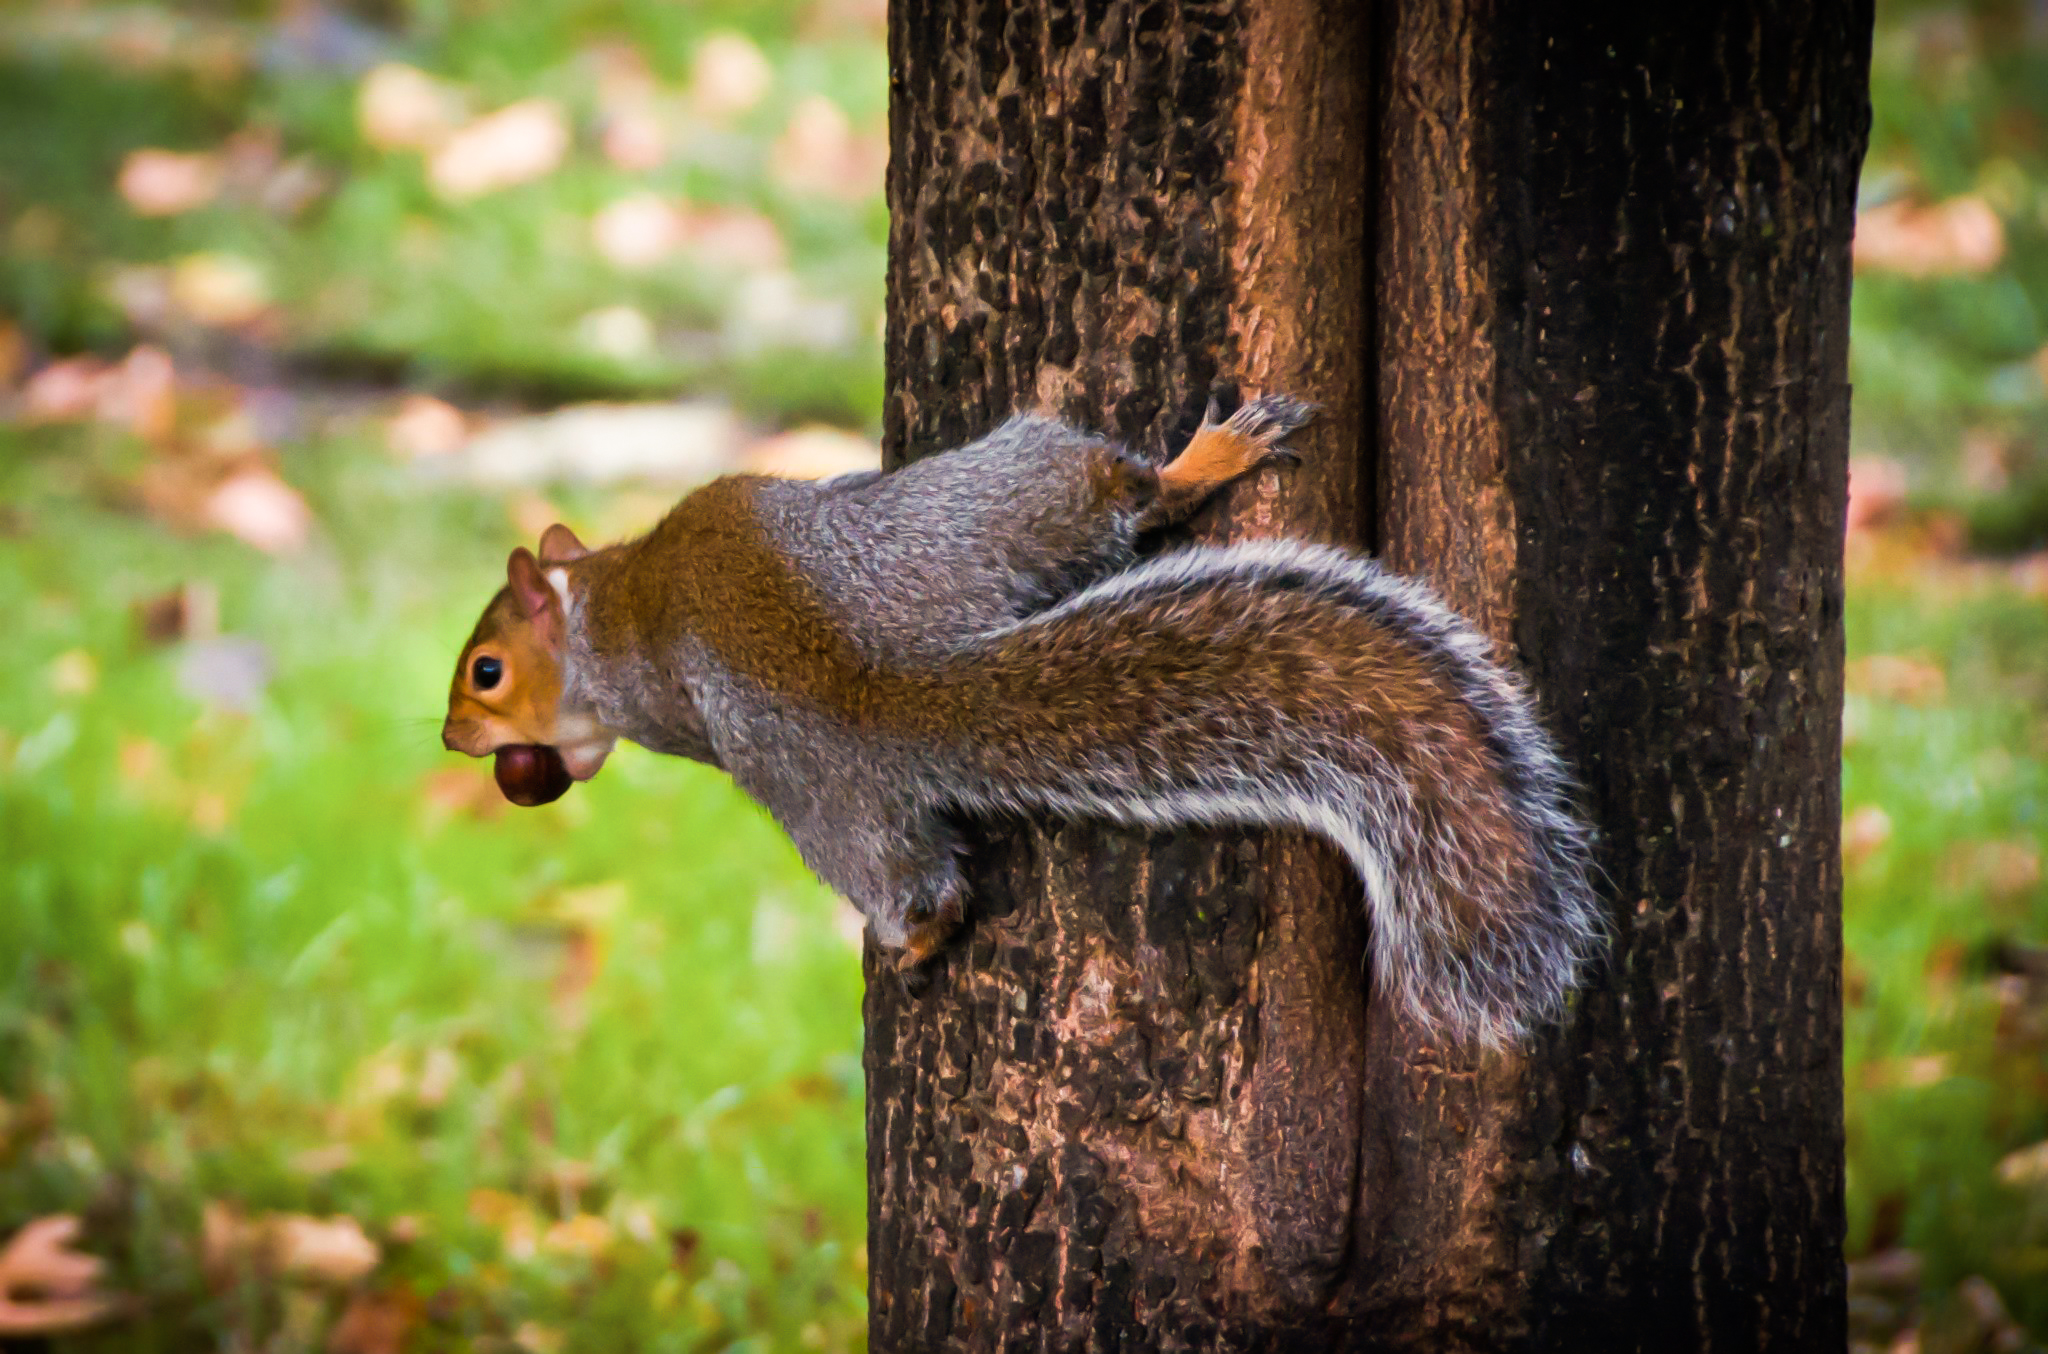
[930,925]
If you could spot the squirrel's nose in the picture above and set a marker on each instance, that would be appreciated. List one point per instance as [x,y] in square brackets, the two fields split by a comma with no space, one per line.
[449,739]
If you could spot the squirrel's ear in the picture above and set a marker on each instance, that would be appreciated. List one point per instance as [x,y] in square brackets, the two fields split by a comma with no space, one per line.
[530,588]
[558,545]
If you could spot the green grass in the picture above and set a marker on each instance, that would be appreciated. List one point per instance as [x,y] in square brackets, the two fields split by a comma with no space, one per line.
[1964,782]
[276,960]
[378,275]
[188,1009]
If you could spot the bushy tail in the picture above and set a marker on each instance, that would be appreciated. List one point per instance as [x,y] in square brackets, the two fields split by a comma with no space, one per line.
[1280,683]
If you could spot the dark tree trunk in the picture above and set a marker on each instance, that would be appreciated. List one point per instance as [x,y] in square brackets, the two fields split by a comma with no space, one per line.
[1572,287]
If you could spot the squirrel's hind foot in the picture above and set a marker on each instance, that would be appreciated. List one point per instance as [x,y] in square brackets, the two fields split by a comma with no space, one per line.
[1221,452]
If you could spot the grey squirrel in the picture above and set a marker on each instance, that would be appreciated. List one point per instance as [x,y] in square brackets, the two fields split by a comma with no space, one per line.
[873,655]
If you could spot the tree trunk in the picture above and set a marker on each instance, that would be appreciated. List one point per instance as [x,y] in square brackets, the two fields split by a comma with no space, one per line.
[1572,290]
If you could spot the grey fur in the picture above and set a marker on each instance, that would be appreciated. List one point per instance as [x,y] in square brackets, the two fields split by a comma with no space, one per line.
[989,579]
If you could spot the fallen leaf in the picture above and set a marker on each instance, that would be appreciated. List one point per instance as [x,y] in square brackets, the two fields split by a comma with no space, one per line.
[188,611]
[728,75]
[328,1250]
[319,1161]
[813,453]
[221,291]
[622,332]
[2008,871]
[535,1338]
[400,107]
[333,1251]
[261,509]
[425,426]
[1877,490]
[461,792]
[376,1322]
[635,141]
[167,182]
[514,145]
[584,1234]
[1909,1073]
[514,1220]
[818,152]
[638,231]
[1863,832]
[601,444]
[46,1287]
[2028,1166]
[733,237]
[1899,678]
[1961,235]
[74,673]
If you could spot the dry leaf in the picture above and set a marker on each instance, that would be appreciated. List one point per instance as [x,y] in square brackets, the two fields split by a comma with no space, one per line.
[461,792]
[140,392]
[1961,235]
[1877,490]
[623,332]
[514,145]
[425,426]
[535,1338]
[635,141]
[819,153]
[584,1234]
[734,238]
[2028,1166]
[327,1250]
[728,75]
[261,509]
[511,1217]
[46,1287]
[221,291]
[189,611]
[399,107]
[1863,832]
[333,1251]
[602,444]
[2008,871]
[168,182]
[376,1322]
[74,673]
[813,453]
[1900,678]
[638,231]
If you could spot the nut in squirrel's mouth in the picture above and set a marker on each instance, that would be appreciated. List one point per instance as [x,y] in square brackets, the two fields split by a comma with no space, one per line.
[531,774]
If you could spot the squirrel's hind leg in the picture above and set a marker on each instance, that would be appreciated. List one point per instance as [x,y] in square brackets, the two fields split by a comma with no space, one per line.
[1221,452]
[909,884]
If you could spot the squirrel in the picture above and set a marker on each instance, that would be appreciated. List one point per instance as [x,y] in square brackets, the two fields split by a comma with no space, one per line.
[873,656]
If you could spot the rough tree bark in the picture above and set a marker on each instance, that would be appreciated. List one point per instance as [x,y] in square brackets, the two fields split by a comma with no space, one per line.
[1571,285]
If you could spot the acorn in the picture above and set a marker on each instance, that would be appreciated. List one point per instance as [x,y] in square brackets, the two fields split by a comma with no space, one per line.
[531,774]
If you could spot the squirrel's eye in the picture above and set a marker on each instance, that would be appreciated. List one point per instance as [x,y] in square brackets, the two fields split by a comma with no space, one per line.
[485,672]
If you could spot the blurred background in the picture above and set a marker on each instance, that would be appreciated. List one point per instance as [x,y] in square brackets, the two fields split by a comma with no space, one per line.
[308,310]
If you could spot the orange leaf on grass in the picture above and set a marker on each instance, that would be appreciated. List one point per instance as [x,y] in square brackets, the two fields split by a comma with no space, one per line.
[514,145]
[333,1251]
[168,183]
[46,1287]
[1961,235]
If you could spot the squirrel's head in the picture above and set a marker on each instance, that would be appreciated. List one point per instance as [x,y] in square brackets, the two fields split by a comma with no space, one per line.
[506,698]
